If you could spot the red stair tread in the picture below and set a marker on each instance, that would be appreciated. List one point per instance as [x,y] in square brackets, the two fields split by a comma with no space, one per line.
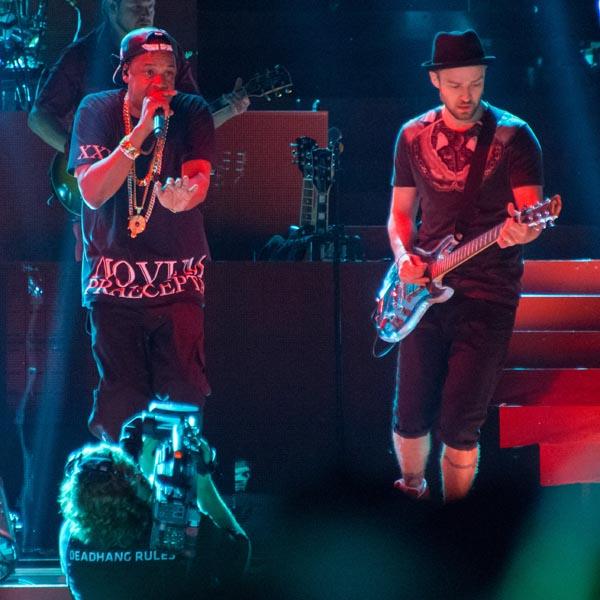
[559,312]
[555,276]
[526,425]
[570,462]
[554,349]
[549,387]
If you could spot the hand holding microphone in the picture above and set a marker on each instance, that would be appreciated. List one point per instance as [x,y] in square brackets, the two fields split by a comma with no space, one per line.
[155,109]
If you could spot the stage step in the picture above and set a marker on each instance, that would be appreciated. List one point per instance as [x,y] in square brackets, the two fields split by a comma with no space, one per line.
[550,393]
[570,423]
[562,276]
[559,312]
[570,462]
[550,387]
[35,583]
[35,592]
[554,349]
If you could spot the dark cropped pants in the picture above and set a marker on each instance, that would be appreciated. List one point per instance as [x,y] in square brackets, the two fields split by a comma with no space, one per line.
[142,353]
[448,370]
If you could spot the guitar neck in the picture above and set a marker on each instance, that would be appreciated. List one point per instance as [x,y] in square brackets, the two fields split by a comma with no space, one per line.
[322,212]
[307,215]
[465,252]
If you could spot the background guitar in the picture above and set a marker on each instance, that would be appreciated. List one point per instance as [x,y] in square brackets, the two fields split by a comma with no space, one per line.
[302,150]
[271,83]
[317,166]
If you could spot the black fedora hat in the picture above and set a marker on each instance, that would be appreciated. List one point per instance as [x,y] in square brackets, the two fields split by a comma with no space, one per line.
[457,49]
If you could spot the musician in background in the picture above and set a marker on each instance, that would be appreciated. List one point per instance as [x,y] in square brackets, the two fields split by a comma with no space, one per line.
[450,364]
[87,66]
[142,158]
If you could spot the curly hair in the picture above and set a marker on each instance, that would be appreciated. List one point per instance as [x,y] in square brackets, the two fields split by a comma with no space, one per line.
[102,503]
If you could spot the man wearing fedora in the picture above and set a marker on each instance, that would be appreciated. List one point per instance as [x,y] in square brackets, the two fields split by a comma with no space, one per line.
[449,365]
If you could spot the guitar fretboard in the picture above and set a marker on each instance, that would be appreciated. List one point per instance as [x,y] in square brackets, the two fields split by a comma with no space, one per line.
[306,203]
[463,253]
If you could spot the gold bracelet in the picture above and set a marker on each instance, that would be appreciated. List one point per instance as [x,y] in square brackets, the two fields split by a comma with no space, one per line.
[128,149]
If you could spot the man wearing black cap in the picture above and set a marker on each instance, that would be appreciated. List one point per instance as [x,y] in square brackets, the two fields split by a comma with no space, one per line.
[142,158]
[86,67]
[449,365]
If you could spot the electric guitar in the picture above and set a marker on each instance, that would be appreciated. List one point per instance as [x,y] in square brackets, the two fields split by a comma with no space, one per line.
[400,306]
[318,169]
[323,173]
[302,150]
[273,82]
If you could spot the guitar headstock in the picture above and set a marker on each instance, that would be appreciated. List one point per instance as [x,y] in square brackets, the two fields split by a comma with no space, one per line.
[272,82]
[542,214]
[323,167]
[302,150]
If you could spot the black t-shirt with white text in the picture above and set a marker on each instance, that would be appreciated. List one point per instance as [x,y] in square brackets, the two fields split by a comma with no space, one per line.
[165,263]
[435,160]
[142,573]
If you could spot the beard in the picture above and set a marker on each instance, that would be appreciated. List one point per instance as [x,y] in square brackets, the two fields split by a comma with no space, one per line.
[465,114]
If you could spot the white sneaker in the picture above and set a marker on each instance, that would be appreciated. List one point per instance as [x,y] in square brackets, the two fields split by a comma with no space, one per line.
[416,493]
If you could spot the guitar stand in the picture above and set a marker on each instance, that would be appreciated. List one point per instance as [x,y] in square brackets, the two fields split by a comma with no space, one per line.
[322,247]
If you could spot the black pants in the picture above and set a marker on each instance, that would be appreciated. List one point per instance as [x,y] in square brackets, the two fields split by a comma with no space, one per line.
[142,353]
[448,370]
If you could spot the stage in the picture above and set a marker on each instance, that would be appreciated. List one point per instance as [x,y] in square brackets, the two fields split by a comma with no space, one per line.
[298,397]
[271,355]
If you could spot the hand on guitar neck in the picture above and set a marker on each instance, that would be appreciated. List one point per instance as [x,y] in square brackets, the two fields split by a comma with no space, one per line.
[237,102]
[516,232]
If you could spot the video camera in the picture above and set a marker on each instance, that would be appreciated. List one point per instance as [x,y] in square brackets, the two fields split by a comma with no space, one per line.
[179,456]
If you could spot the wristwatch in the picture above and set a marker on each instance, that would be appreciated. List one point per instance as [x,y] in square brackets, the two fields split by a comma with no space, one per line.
[128,149]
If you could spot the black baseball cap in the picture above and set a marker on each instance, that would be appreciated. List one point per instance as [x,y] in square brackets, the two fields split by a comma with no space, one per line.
[140,41]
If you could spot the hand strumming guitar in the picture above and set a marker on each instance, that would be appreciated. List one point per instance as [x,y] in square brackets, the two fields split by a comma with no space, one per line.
[411,269]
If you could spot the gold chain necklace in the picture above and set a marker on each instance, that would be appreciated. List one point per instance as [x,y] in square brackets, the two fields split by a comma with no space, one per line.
[137,222]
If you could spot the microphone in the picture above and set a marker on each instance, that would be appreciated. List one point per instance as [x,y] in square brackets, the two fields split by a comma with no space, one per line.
[159,123]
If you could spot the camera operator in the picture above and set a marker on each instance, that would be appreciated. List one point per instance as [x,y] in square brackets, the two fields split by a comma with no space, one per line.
[107,502]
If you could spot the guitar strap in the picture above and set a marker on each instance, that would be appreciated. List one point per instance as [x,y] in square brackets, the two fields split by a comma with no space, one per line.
[472,189]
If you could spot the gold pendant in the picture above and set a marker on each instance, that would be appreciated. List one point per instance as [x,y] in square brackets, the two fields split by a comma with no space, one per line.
[137,224]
